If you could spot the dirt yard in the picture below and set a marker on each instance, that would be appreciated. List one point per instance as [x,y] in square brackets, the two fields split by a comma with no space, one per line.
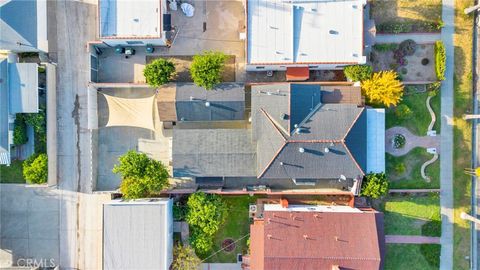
[388,11]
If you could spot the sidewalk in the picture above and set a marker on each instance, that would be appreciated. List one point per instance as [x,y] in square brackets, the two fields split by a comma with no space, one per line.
[446,142]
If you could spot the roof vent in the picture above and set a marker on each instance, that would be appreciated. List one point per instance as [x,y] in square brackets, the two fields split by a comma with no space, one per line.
[191,98]
[284,116]
[305,237]
[327,150]
[301,150]
[269,236]
[281,163]
[207,104]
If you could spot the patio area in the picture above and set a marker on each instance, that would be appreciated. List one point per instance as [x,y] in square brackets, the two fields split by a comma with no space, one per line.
[113,142]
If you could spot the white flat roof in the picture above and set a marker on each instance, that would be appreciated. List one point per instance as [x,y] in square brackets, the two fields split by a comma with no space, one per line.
[311,208]
[127,18]
[305,31]
[23,84]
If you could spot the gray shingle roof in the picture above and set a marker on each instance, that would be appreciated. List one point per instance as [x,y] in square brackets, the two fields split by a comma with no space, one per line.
[226,102]
[320,125]
[213,152]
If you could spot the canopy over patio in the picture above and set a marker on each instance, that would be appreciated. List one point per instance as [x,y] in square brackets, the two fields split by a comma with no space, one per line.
[136,112]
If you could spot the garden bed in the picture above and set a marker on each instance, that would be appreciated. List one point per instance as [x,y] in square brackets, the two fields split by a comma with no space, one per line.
[404,172]
[183,62]
[418,67]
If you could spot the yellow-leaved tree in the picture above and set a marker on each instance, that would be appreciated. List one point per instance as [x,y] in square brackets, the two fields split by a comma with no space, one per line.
[383,88]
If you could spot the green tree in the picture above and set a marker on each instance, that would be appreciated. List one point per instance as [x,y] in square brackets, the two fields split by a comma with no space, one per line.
[206,213]
[159,72]
[35,169]
[141,175]
[20,130]
[358,73]
[374,185]
[206,69]
[184,258]
[383,88]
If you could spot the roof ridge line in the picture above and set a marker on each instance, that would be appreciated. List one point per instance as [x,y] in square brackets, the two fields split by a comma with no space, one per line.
[324,258]
[353,158]
[310,114]
[353,123]
[273,123]
[315,141]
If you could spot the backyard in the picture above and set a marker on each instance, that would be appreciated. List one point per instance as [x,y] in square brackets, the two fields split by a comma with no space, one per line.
[12,174]
[237,226]
[406,15]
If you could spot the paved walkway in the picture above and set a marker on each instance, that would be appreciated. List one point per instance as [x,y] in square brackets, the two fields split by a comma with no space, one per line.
[411,239]
[411,141]
[422,38]
[221,266]
[446,142]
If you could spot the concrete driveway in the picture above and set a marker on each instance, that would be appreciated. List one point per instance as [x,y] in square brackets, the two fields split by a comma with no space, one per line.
[29,221]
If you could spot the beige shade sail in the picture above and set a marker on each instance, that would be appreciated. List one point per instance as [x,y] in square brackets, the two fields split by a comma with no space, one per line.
[132,112]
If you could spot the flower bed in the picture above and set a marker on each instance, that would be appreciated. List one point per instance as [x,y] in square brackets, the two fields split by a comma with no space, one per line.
[440,60]
[399,141]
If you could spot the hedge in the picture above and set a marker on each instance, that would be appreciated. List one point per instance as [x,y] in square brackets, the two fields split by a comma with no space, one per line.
[358,73]
[440,60]
[20,131]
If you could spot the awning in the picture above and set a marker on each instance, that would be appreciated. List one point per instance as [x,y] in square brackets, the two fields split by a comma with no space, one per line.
[298,73]
[132,112]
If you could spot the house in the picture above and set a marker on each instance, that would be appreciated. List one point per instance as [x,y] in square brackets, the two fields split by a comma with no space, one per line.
[316,237]
[188,102]
[18,94]
[133,23]
[138,234]
[300,35]
[23,24]
[303,134]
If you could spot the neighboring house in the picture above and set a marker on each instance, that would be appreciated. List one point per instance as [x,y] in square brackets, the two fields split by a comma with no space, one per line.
[18,94]
[306,34]
[23,25]
[138,234]
[306,134]
[133,23]
[316,237]
[188,102]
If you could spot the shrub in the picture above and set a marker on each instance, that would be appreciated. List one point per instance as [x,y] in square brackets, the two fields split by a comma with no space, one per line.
[404,70]
[383,88]
[400,168]
[35,169]
[425,61]
[141,175]
[358,73]
[403,112]
[184,258]
[205,214]
[159,72]
[374,185]
[385,47]
[440,60]
[20,130]
[179,212]
[408,47]
[206,69]
[399,141]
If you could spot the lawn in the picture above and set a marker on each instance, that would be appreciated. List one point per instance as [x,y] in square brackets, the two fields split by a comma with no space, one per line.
[412,178]
[236,227]
[462,131]
[410,215]
[412,257]
[420,119]
[404,11]
[12,174]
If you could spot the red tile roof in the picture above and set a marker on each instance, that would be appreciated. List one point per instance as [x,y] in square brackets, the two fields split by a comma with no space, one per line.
[317,240]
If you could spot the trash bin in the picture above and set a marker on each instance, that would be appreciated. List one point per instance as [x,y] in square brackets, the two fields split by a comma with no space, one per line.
[119,50]
[149,48]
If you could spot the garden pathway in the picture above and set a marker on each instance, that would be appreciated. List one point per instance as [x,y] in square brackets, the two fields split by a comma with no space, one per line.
[411,239]
[411,141]
[420,38]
